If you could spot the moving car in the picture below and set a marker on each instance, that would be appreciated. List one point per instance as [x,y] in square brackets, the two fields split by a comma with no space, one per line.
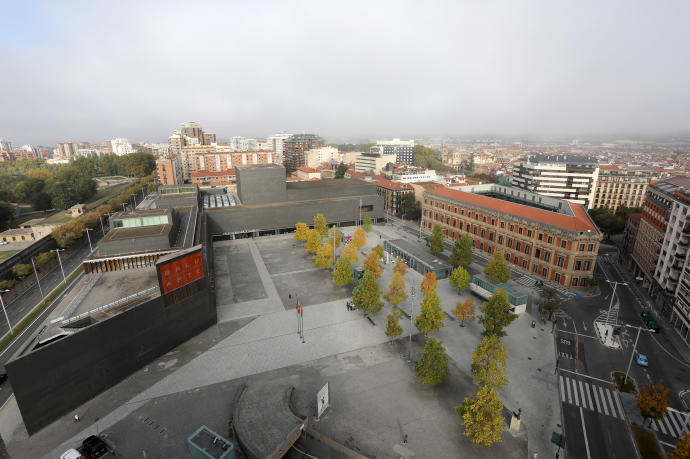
[652,325]
[641,359]
[94,447]
[72,454]
[646,313]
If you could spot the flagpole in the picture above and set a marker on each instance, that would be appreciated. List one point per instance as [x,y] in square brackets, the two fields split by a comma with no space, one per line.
[297,309]
[301,314]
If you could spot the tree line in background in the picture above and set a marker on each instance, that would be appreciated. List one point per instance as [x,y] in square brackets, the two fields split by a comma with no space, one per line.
[60,186]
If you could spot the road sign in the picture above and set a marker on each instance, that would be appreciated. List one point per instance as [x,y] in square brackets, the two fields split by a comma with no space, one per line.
[322,400]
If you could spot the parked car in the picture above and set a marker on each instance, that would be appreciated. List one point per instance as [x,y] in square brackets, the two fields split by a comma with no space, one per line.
[94,447]
[3,242]
[641,359]
[72,454]
[652,325]
[646,313]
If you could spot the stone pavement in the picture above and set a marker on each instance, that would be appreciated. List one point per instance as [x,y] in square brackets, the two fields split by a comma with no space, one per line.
[270,342]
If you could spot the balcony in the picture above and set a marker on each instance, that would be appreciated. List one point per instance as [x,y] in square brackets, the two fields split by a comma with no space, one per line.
[686,229]
[684,243]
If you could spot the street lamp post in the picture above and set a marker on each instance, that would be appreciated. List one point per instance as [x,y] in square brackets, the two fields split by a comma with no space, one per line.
[123,207]
[5,311]
[134,201]
[89,238]
[64,278]
[409,347]
[102,228]
[37,281]
[633,350]
[615,284]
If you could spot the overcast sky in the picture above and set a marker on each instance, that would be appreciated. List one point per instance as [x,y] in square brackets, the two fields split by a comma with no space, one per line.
[94,70]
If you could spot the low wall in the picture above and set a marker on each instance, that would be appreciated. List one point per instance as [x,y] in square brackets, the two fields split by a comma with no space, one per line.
[42,245]
[51,381]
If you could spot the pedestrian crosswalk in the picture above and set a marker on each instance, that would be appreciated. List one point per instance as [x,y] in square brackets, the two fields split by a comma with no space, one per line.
[609,317]
[672,424]
[528,281]
[599,398]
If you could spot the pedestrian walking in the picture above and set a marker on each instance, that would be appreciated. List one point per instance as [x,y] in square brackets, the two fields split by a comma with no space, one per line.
[76,418]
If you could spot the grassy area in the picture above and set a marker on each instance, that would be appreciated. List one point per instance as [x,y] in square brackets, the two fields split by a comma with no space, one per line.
[19,327]
[646,443]
[6,254]
[629,387]
[104,195]
[61,216]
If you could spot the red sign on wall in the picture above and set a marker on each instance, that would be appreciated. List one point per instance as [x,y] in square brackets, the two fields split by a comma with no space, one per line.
[181,272]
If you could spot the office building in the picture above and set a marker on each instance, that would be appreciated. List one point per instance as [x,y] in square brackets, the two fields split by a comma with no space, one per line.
[66,150]
[317,156]
[373,161]
[295,146]
[277,142]
[567,177]
[121,146]
[550,238]
[402,149]
[617,187]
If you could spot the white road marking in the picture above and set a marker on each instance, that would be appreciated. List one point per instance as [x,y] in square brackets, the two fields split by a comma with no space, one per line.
[587,376]
[567,384]
[613,407]
[589,397]
[673,420]
[596,399]
[670,429]
[603,400]
[661,425]
[577,399]
[618,404]
[584,431]
[560,380]
[582,393]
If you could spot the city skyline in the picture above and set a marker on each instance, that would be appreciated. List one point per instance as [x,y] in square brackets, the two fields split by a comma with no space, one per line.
[384,70]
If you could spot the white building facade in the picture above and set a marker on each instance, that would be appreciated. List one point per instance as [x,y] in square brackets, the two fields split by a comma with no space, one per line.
[121,146]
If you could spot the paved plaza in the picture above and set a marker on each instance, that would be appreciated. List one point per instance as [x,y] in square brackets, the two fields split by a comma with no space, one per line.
[374,395]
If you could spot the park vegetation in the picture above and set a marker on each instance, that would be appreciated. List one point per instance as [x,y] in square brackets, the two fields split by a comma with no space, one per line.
[396,290]
[464,311]
[652,401]
[459,278]
[436,240]
[301,231]
[432,368]
[342,275]
[372,264]
[462,251]
[393,327]
[367,295]
[367,224]
[497,268]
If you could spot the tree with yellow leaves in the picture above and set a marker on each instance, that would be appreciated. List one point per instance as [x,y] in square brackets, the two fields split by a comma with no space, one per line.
[301,231]
[682,448]
[482,416]
[350,252]
[464,311]
[393,327]
[334,233]
[396,290]
[652,401]
[400,267]
[313,241]
[371,263]
[429,283]
[489,362]
[324,256]
[359,238]
[320,225]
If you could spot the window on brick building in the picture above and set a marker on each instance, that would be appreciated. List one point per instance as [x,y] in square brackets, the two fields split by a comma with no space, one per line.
[574,283]
[510,243]
[524,264]
[537,253]
[587,265]
[534,268]
[500,239]
[519,230]
[483,232]
[540,236]
[582,248]
[561,261]
[518,245]
[512,227]
[529,233]
[550,240]
[564,244]
[590,247]
[558,277]
[527,249]
[544,272]
[547,256]
[578,265]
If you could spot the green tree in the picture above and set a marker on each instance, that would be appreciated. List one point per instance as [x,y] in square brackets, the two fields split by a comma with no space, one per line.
[459,278]
[429,283]
[41,201]
[396,290]
[21,270]
[436,240]
[549,302]
[496,314]
[342,275]
[301,231]
[652,401]
[432,368]
[497,268]
[482,416]
[138,164]
[324,256]
[6,214]
[367,295]
[464,311]
[24,190]
[313,241]
[367,223]
[489,362]
[359,238]
[378,250]
[409,208]
[350,252]
[400,267]
[371,263]
[393,327]
[430,320]
[462,251]
[340,171]
[44,257]
[320,225]
[63,197]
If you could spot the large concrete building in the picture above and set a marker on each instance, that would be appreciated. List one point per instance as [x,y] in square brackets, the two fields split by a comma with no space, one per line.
[392,193]
[296,145]
[569,177]
[550,238]
[617,186]
[121,146]
[66,150]
[402,149]
[373,161]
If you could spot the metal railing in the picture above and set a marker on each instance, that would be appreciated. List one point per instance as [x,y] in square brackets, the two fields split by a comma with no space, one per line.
[113,304]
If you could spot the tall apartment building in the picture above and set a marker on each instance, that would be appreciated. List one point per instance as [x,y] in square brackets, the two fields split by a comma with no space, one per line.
[170,170]
[548,237]
[660,250]
[617,187]
[296,145]
[121,146]
[213,160]
[402,149]
[66,150]
[317,156]
[5,145]
[192,129]
[569,177]
[190,134]
[277,142]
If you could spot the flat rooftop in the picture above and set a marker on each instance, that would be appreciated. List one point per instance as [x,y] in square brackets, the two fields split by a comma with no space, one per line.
[120,234]
[421,253]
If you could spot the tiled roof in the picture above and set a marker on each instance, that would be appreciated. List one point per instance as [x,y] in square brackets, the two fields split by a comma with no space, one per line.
[579,222]
[391,185]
